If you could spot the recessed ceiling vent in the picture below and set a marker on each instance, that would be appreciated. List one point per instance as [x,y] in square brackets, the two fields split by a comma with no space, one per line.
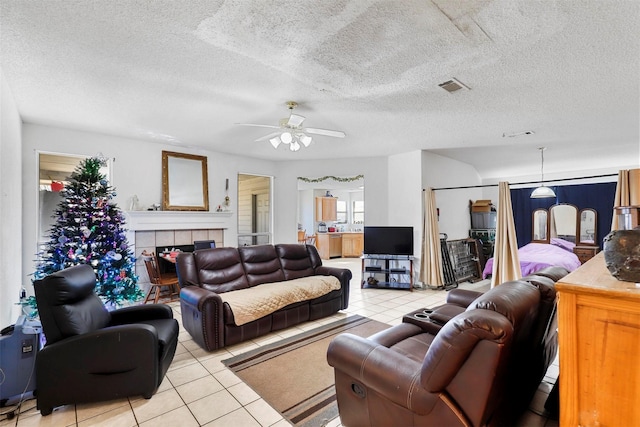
[453,85]
[516,134]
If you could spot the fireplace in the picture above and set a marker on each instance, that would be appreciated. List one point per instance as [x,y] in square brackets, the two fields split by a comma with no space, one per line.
[155,231]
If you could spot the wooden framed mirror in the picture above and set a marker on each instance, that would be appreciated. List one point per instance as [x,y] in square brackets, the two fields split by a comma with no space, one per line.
[588,227]
[184,182]
[563,222]
[540,226]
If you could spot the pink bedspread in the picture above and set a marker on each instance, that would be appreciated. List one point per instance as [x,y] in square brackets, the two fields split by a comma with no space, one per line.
[536,256]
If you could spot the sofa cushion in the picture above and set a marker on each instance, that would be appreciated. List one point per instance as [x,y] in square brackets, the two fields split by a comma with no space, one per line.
[220,270]
[261,264]
[295,261]
[250,304]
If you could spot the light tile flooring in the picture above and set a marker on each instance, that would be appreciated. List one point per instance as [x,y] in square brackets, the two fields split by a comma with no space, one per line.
[199,390]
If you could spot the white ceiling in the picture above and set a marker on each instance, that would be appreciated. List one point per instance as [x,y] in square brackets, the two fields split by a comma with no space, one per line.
[185,72]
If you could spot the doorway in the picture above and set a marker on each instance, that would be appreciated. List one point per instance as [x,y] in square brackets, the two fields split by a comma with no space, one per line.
[54,170]
[350,203]
[254,210]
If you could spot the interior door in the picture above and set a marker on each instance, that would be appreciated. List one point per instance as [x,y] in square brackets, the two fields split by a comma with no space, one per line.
[254,210]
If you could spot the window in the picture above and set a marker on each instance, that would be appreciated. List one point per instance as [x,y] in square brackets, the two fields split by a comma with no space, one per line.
[341,210]
[358,212]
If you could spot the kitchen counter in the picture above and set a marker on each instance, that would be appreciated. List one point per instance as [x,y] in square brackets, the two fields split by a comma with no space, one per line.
[336,244]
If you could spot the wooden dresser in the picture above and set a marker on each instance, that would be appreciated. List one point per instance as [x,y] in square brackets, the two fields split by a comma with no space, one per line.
[599,343]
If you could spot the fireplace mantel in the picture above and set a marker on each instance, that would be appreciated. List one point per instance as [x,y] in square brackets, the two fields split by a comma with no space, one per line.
[176,220]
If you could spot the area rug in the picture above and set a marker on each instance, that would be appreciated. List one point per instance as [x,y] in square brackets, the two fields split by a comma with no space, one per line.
[293,375]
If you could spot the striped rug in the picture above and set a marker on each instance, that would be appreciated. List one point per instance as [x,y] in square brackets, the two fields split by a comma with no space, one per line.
[293,375]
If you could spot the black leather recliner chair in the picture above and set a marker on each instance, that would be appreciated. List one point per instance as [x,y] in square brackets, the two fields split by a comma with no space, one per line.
[92,354]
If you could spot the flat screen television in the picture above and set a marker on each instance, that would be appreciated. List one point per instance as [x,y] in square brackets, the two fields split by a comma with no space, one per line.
[387,240]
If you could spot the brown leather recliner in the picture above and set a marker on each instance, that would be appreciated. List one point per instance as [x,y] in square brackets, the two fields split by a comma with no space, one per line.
[468,373]
[92,354]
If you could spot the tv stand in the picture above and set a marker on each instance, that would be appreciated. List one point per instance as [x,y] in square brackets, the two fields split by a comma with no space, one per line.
[387,272]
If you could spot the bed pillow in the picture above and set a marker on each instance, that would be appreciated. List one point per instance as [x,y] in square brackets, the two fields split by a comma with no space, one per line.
[564,244]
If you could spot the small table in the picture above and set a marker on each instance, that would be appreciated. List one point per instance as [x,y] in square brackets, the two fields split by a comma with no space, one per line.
[168,258]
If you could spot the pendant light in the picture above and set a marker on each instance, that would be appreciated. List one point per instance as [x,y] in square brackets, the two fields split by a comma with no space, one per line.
[542,192]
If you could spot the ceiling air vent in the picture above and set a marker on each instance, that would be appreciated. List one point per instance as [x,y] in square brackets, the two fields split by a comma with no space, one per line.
[453,85]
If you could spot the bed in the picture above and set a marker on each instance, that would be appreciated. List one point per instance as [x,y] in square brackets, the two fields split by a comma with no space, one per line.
[536,256]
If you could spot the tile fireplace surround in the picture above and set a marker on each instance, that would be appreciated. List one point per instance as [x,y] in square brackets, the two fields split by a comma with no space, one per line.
[150,229]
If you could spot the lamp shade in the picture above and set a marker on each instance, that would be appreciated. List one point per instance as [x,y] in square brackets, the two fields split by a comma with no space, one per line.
[542,192]
[275,142]
[286,137]
[305,139]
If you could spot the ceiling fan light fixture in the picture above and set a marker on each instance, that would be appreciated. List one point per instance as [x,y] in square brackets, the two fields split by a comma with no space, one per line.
[291,132]
[542,192]
[286,137]
[275,141]
[305,139]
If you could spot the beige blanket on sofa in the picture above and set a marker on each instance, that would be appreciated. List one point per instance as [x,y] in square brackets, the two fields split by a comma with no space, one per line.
[253,303]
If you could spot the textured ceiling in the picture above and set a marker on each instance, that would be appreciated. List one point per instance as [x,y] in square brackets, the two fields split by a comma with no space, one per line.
[184,72]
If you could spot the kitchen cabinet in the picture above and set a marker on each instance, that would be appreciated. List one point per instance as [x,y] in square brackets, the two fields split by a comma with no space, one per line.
[599,343]
[326,208]
[352,244]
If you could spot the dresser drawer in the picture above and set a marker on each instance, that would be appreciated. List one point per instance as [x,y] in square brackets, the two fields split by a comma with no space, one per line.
[585,253]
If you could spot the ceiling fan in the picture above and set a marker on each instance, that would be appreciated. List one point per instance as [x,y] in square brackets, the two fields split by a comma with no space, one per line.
[291,132]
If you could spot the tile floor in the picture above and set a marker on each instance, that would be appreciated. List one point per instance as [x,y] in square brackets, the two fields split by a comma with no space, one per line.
[199,390]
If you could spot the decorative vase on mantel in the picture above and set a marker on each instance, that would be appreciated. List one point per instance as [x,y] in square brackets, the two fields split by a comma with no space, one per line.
[622,254]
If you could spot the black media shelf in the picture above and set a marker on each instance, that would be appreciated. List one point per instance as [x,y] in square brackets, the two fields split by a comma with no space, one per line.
[388,285]
[389,272]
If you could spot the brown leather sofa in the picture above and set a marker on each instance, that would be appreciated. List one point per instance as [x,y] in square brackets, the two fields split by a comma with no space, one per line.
[480,367]
[205,275]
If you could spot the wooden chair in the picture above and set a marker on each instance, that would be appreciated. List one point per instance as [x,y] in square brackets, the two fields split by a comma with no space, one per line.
[160,280]
[302,236]
[310,240]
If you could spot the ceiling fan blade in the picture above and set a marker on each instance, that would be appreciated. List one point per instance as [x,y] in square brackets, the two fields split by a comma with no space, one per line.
[258,126]
[326,132]
[295,120]
[271,135]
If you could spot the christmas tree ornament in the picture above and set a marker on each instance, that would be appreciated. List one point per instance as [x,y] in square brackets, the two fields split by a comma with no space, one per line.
[88,228]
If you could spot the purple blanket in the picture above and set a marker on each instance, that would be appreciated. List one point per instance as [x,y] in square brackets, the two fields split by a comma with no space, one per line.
[536,256]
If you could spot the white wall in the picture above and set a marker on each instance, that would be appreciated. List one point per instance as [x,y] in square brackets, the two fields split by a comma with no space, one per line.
[11,279]
[443,172]
[393,186]
[137,169]
[405,194]
[306,210]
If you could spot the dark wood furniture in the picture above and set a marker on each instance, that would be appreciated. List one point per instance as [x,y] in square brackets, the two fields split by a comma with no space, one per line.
[585,253]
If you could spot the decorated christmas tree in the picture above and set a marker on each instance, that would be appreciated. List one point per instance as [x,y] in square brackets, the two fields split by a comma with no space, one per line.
[89,230]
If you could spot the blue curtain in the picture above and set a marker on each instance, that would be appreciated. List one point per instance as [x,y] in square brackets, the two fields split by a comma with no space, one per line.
[597,196]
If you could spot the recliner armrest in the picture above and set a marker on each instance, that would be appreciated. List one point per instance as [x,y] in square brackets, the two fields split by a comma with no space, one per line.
[137,313]
[202,316]
[101,352]
[388,372]
[198,297]
[344,276]
[462,297]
